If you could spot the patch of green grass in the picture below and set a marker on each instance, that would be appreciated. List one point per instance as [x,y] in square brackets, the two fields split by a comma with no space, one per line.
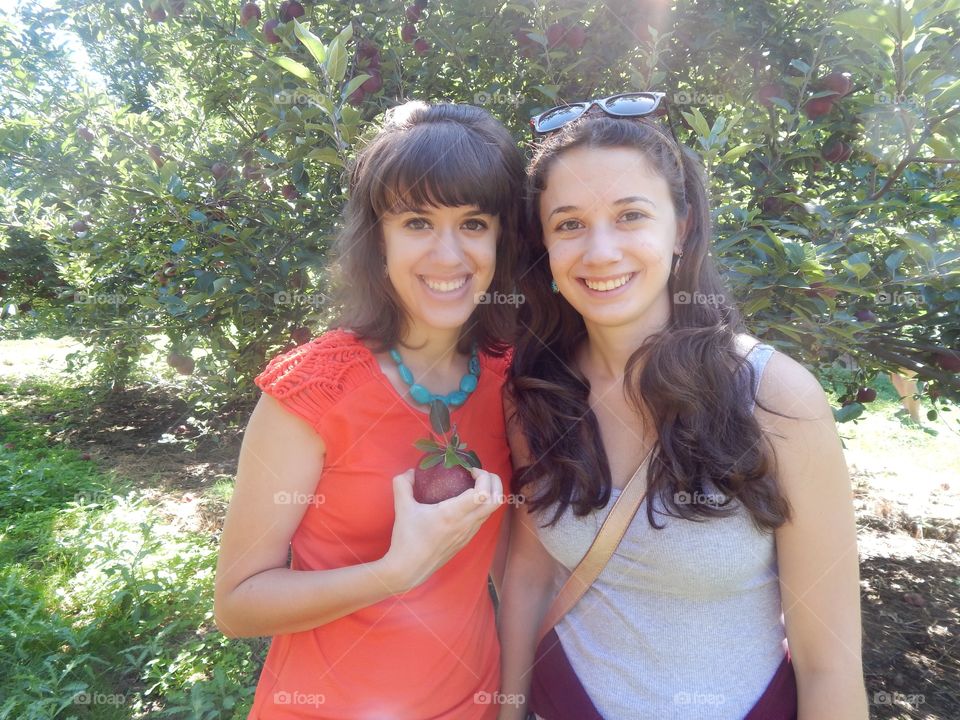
[106,607]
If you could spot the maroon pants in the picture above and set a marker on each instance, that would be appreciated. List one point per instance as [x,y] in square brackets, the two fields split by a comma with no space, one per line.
[556,692]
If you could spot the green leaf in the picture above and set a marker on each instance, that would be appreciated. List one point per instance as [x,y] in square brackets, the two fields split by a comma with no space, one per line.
[737,152]
[313,44]
[325,155]
[450,458]
[336,64]
[429,462]
[474,458]
[426,446]
[848,412]
[697,121]
[354,83]
[858,264]
[292,66]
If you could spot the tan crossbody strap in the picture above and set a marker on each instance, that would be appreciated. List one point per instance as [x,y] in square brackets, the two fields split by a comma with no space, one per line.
[601,550]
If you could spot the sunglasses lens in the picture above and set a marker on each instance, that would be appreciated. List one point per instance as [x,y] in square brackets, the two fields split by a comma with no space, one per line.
[558,117]
[632,105]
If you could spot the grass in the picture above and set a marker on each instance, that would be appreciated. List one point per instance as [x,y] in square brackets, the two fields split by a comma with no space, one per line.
[105,604]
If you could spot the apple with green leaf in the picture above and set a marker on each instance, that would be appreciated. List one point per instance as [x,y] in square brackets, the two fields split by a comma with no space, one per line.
[444,470]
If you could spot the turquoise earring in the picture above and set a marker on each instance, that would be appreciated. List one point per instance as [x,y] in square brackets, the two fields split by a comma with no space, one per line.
[553,287]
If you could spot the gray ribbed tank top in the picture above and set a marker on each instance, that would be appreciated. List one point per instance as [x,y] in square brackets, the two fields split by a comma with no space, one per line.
[684,622]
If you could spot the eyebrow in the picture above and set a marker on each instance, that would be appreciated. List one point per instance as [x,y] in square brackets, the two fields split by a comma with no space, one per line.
[621,201]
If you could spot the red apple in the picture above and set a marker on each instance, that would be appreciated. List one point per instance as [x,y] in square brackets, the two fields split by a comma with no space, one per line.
[290,192]
[85,134]
[219,170]
[268,31]
[766,93]
[413,13]
[301,335]
[356,97]
[249,13]
[408,33]
[290,9]
[837,151]
[948,360]
[866,394]
[373,83]
[555,34]
[838,82]
[576,37]
[367,48]
[252,172]
[421,46]
[79,226]
[818,107]
[156,154]
[865,316]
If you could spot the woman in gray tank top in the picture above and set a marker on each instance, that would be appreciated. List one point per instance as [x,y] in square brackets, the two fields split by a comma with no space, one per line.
[734,592]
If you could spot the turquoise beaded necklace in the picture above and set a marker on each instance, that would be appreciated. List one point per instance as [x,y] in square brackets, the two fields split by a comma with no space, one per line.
[468,383]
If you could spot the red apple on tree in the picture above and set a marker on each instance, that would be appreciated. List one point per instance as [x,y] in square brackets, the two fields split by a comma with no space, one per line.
[301,335]
[268,31]
[290,192]
[766,93]
[219,170]
[817,107]
[837,151]
[444,471]
[866,394]
[157,13]
[421,46]
[408,33]
[555,34]
[356,97]
[79,227]
[156,154]
[948,360]
[85,133]
[290,9]
[373,83]
[837,82]
[413,13]
[249,13]
[576,37]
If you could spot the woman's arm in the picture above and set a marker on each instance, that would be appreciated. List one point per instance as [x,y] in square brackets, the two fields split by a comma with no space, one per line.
[527,590]
[817,548]
[280,462]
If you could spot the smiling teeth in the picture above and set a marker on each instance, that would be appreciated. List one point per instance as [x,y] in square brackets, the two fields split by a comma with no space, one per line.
[605,285]
[445,286]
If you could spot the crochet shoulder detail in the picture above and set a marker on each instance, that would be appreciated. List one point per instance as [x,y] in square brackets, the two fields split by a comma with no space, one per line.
[313,377]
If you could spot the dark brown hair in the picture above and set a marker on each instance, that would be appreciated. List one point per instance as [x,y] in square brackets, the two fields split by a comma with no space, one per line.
[688,380]
[428,155]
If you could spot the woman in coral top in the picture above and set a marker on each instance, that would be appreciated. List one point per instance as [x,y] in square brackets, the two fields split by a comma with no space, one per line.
[383,610]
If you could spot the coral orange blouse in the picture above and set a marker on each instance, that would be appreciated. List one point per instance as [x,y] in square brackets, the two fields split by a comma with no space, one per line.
[428,654]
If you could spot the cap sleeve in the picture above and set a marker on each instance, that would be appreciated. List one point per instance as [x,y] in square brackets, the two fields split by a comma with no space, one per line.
[311,379]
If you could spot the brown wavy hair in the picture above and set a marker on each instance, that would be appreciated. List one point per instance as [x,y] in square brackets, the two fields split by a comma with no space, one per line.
[688,380]
[428,155]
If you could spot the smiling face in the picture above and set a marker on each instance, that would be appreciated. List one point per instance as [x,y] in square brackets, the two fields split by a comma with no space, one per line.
[438,260]
[610,228]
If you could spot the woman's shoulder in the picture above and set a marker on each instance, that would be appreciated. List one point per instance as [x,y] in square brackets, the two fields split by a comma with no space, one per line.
[784,384]
[499,365]
[326,366]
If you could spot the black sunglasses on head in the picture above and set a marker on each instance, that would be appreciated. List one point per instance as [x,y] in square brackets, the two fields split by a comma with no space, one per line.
[631,104]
